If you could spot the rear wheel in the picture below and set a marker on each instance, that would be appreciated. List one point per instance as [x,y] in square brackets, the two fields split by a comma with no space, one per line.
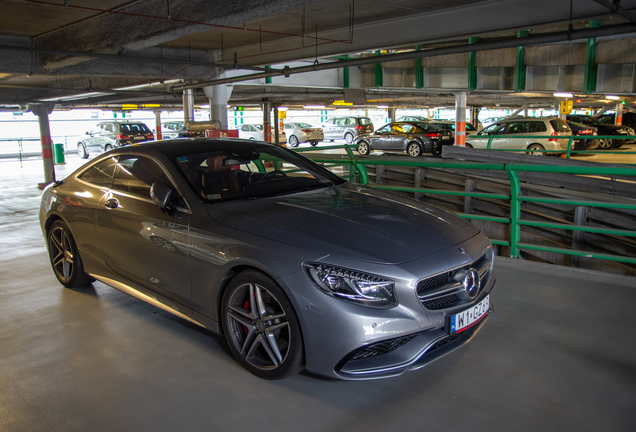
[414,149]
[81,151]
[314,143]
[363,148]
[606,144]
[293,141]
[108,147]
[65,258]
[261,326]
[536,150]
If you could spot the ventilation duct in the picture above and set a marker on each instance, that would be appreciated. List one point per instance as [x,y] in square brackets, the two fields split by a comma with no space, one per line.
[188,115]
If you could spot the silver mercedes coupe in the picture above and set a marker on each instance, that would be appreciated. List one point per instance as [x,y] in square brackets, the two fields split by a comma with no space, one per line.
[295,266]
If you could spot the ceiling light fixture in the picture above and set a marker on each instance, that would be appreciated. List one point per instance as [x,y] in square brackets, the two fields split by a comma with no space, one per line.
[563,95]
[612,97]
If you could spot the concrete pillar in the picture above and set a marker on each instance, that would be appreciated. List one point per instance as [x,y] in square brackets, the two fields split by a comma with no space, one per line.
[43,111]
[275,127]
[158,135]
[392,113]
[619,114]
[218,97]
[460,119]
[267,127]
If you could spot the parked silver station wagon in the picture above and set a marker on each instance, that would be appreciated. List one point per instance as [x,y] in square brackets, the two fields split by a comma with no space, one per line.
[295,266]
[512,128]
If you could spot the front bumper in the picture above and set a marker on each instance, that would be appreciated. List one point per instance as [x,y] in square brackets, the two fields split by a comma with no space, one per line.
[391,341]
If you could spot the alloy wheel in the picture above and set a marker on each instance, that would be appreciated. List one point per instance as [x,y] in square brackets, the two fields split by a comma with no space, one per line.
[61,253]
[258,327]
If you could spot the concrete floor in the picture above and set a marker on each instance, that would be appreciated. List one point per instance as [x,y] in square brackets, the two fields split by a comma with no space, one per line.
[558,354]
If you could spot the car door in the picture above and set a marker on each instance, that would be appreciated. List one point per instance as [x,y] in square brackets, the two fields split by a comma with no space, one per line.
[514,129]
[329,129]
[381,139]
[496,129]
[139,240]
[95,140]
[399,131]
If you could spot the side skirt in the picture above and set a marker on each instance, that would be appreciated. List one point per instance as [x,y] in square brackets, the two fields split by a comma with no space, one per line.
[162,303]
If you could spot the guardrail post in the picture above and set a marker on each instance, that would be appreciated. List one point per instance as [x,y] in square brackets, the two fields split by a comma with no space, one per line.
[379,171]
[469,186]
[569,150]
[20,151]
[515,210]
[418,182]
[580,218]
[489,142]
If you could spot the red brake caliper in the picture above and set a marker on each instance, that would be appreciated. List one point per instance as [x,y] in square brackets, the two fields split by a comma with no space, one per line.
[246,306]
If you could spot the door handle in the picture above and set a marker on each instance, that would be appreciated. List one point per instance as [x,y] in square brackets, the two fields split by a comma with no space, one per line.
[111,203]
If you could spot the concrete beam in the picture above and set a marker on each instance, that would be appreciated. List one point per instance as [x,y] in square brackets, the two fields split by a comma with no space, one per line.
[146,24]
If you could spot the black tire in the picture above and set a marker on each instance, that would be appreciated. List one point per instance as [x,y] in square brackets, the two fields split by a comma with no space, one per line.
[314,143]
[348,137]
[81,151]
[414,149]
[532,150]
[267,341]
[469,145]
[436,151]
[293,141]
[64,257]
[108,147]
[363,148]
[617,143]
[606,144]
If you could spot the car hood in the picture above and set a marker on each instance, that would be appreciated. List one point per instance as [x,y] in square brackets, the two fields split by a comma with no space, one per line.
[348,220]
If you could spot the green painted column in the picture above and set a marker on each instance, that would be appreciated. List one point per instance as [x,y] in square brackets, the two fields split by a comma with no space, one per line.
[419,72]
[591,68]
[268,80]
[520,66]
[378,72]
[472,68]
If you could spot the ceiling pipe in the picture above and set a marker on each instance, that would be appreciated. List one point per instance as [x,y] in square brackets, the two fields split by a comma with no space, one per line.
[537,39]
[188,115]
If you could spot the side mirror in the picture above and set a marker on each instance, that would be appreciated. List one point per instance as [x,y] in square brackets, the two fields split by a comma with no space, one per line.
[88,133]
[161,194]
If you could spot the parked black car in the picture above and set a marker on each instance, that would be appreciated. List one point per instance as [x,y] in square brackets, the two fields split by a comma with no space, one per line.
[411,138]
[605,129]
[108,135]
[629,119]
[583,130]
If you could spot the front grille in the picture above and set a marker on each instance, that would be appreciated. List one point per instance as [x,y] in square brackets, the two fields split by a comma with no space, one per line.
[446,290]
[433,282]
[442,302]
[382,347]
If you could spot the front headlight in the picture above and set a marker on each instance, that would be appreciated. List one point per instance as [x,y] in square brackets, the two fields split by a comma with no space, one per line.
[353,286]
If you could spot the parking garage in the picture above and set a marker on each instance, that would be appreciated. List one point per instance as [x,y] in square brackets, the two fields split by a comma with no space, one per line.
[556,352]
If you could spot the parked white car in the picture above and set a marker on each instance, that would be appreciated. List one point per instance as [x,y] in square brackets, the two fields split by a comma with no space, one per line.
[255,132]
[514,127]
[298,132]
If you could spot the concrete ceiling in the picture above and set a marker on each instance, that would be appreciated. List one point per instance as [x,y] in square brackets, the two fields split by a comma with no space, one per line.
[81,52]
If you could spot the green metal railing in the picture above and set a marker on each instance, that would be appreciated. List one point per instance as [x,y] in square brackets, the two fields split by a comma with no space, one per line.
[515,198]
[568,151]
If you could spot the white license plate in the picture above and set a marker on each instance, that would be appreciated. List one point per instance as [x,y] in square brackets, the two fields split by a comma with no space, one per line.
[138,138]
[465,319]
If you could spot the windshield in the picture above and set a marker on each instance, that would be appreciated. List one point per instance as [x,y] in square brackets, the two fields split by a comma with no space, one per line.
[235,170]
[134,128]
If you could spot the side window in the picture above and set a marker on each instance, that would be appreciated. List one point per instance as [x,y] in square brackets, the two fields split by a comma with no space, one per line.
[517,128]
[495,129]
[100,174]
[351,122]
[537,126]
[108,128]
[135,175]
[341,122]
[384,130]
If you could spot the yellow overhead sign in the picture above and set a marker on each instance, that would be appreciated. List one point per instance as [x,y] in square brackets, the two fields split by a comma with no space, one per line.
[566,106]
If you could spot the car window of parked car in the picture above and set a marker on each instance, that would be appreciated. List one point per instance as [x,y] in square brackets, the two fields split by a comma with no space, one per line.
[517,127]
[560,125]
[134,128]
[100,174]
[403,128]
[538,126]
[429,127]
[109,128]
[135,175]
[495,129]
[384,130]
[470,127]
[364,121]
[304,125]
